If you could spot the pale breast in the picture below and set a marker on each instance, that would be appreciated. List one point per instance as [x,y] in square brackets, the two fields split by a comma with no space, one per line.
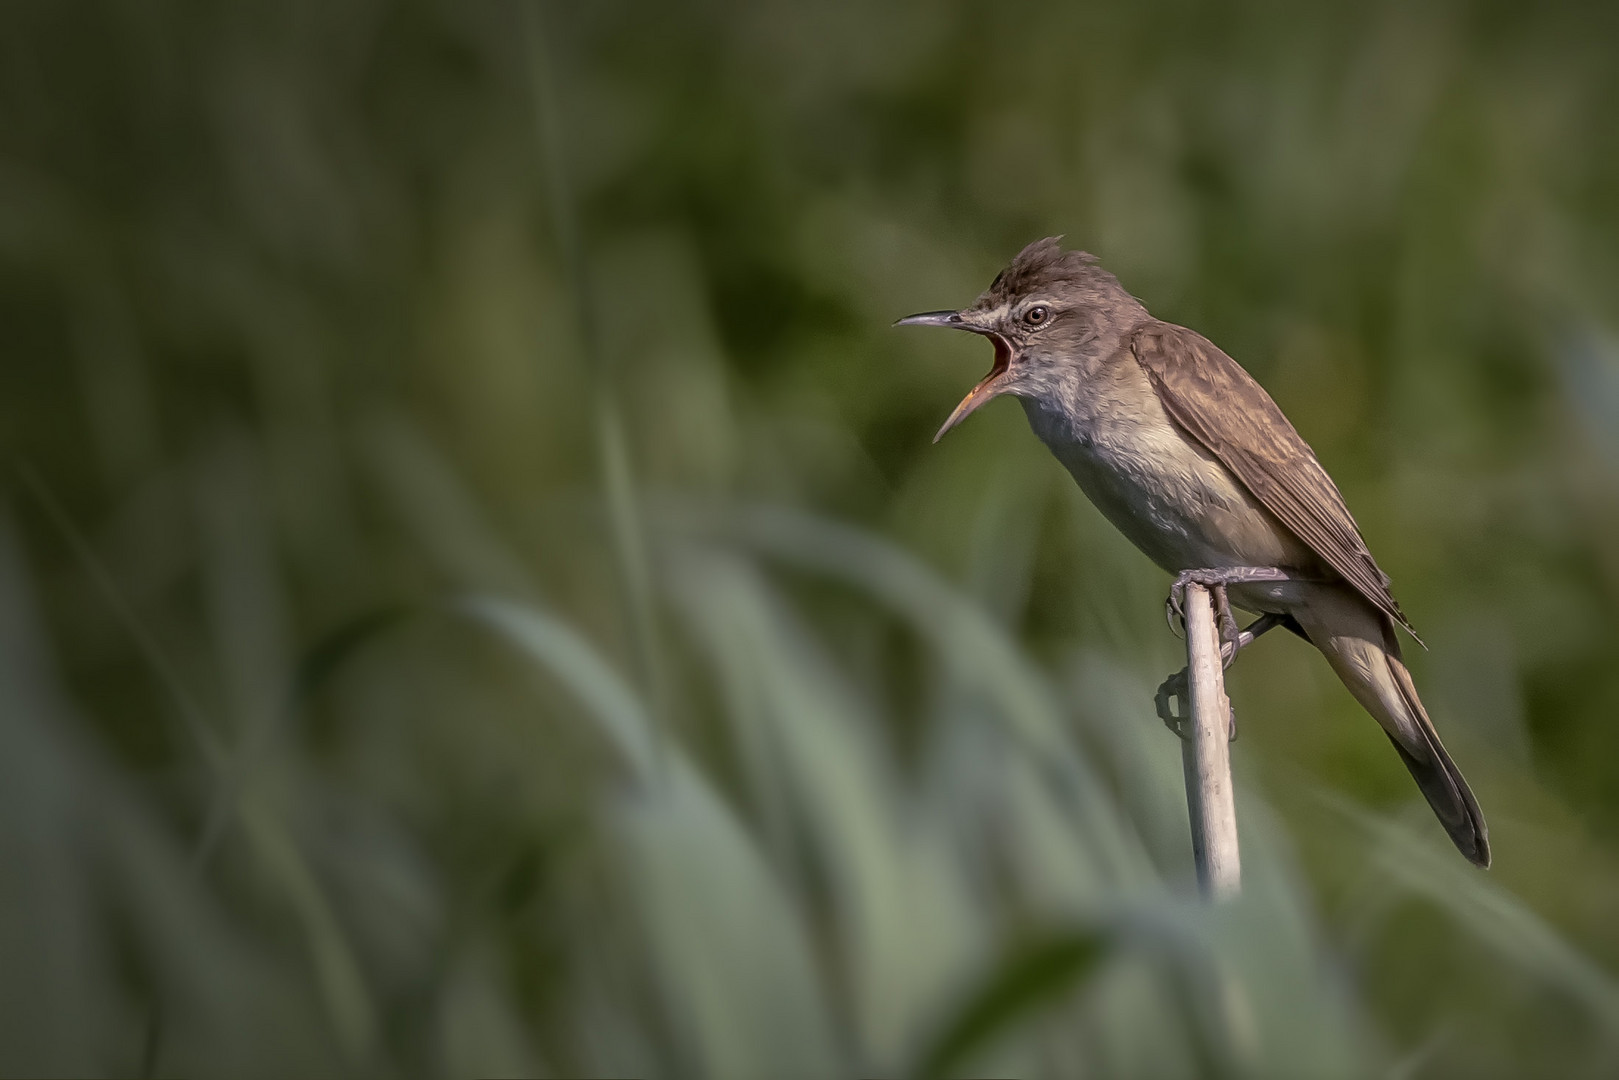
[1168,496]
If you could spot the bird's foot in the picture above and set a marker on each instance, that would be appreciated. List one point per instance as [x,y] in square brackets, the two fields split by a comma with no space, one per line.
[1175,689]
[1216,580]
[1233,639]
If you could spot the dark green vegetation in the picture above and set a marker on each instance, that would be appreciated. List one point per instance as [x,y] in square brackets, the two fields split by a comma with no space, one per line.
[477,595]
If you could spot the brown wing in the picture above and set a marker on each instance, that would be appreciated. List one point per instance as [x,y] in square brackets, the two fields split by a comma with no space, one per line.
[1221,406]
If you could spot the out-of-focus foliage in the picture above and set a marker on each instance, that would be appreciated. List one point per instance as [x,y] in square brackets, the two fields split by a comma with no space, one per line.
[477,595]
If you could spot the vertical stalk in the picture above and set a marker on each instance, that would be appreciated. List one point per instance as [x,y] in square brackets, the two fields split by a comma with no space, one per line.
[1206,754]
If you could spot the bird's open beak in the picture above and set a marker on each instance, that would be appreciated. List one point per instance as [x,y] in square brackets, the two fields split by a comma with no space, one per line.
[990,385]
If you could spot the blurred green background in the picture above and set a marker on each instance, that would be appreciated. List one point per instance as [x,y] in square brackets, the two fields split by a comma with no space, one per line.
[477,595]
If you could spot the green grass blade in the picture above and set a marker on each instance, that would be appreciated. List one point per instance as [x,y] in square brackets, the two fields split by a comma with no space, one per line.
[1028,978]
[576,664]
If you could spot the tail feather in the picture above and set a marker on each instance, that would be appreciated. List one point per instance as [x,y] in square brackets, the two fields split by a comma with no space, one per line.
[1360,644]
[1435,773]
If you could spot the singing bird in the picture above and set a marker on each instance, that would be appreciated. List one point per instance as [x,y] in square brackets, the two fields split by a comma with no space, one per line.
[1190,458]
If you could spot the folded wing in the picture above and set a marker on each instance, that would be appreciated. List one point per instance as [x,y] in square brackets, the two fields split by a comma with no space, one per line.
[1221,406]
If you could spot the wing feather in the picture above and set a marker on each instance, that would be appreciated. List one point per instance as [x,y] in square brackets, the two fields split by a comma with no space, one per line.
[1221,406]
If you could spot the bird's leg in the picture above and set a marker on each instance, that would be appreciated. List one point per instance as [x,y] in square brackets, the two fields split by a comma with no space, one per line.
[1226,624]
[1246,637]
[1215,580]
[1232,639]
[1175,687]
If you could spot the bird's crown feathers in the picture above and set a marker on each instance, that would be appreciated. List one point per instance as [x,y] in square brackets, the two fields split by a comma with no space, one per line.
[1040,265]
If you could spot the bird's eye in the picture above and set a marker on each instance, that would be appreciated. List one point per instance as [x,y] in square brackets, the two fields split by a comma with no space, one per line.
[1036,315]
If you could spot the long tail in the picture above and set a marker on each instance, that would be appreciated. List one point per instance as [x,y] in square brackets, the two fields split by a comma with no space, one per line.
[1359,642]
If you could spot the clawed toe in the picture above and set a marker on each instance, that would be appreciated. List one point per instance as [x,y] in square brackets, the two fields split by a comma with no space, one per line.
[1175,689]
[1230,632]
[1175,613]
[1233,638]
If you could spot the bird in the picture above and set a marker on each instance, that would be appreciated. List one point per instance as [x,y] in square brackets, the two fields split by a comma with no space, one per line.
[1189,457]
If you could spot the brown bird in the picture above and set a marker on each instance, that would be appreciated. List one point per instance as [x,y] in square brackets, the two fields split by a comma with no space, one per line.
[1190,458]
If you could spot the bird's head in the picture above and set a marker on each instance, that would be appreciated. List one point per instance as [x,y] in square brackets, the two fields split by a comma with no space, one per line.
[1046,313]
